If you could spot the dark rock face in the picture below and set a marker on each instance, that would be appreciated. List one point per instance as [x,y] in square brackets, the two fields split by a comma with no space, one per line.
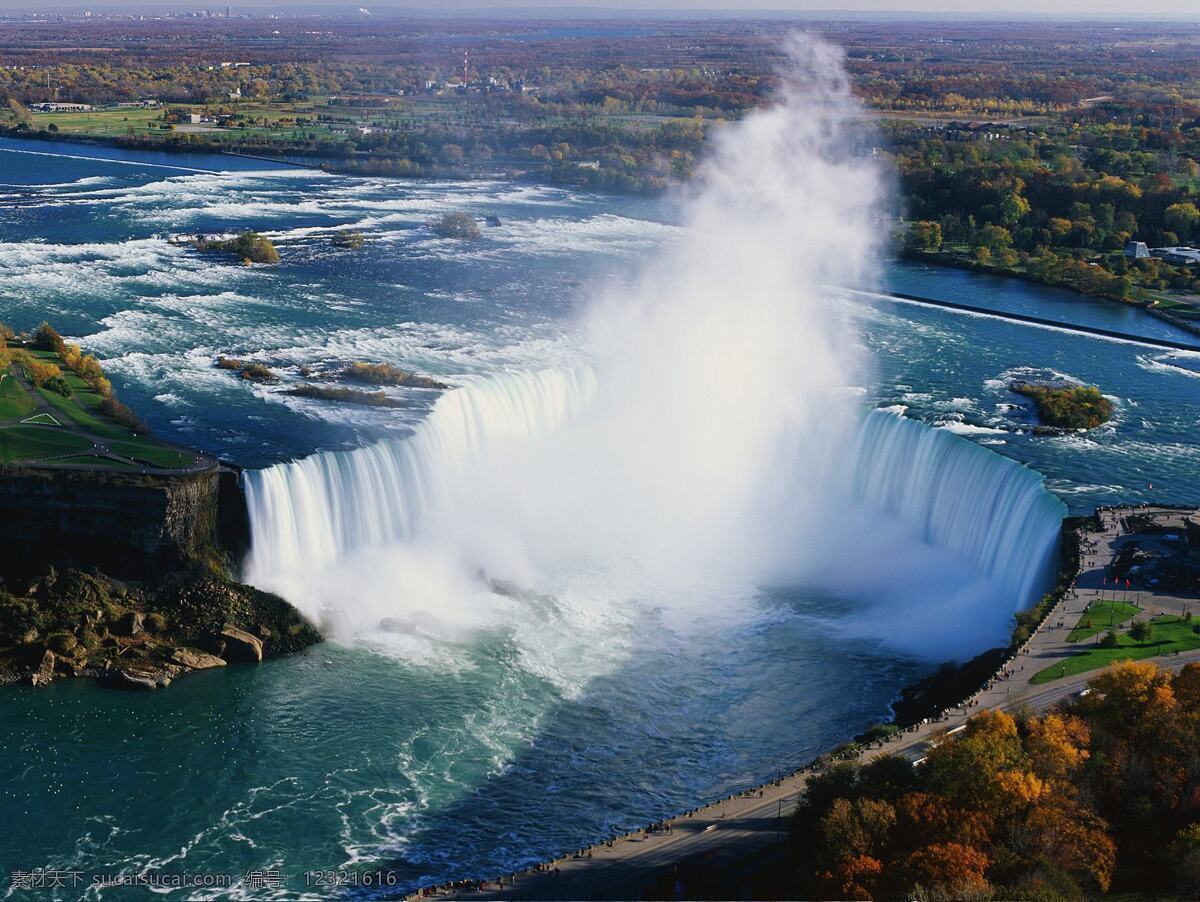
[136,636]
[131,526]
[45,671]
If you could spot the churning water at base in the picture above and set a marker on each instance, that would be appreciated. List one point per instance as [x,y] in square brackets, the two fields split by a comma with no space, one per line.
[991,515]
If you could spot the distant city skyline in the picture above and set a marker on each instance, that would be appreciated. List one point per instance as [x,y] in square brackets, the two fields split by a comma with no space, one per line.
[1120,9]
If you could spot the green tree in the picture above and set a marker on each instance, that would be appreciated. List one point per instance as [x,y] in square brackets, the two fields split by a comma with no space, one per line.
[1141,631]
[924,235]
[1182,219]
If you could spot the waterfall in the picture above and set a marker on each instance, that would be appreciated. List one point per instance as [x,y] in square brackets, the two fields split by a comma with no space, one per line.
[308,515]
[959,495]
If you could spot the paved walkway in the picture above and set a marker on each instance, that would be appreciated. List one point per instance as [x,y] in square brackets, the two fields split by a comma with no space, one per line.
[728,830]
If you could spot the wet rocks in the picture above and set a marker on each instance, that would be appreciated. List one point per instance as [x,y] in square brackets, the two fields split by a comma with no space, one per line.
[240,645]
[139,636]
[194,659]
[44,674]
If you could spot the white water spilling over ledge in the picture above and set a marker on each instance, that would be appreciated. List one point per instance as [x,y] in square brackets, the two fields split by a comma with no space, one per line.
[308,516]
[993,511]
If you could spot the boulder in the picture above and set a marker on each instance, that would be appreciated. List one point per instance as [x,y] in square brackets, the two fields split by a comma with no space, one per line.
[240,645]
[131,624]
[45,671]
[194,659]
[144,675]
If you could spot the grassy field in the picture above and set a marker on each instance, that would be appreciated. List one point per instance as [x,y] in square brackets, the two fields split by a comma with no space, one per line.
[1171,634]
[104,463]
[14,400]
[102,122]
[1101,616]
[149,121]
[83,409]
[152,453]
[23,442]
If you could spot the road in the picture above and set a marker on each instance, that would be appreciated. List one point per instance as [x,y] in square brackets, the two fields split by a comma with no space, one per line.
[726,831]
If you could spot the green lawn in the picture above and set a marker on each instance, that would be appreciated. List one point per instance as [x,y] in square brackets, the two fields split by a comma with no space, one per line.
[152,453]
[1171,634]
[90,460]
[83,409]
[25,442]
[1101,616]
[14,400]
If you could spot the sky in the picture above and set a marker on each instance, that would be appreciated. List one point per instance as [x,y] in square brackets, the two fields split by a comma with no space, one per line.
[1188,9]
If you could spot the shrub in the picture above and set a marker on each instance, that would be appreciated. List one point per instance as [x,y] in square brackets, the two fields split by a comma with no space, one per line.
[1067,407]
[346,395]
[254,372]
[248,246]
[58,385]
[1109,640]
[386,374]
[115,410]
[456,225]
[45,338]
[350,240]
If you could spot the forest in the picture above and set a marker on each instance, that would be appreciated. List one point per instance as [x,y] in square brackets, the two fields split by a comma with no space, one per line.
[1095,798]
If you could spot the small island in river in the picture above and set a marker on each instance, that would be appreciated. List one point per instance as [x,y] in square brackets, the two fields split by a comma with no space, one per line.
[1063,405]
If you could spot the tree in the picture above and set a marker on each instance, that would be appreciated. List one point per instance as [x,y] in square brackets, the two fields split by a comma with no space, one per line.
[1057,745]
[1109,640]
[456,225]
[1141,631]
[1013,208]
[46,338]
[1182,219]
[924,235]
[948,870]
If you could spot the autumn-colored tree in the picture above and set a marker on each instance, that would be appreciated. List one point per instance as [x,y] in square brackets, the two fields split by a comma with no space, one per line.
[1076,839]
[948,870]
[986,768]
[1057,745]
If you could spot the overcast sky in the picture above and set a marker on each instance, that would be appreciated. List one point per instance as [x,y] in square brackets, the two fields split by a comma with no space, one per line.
[1129,9]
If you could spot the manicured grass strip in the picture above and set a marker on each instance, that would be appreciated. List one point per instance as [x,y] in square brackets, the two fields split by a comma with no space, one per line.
[14,400]
[1101,616]
[1171,634]
[28,442]
[41,419]
[155,455]
[90,460]
[83,408]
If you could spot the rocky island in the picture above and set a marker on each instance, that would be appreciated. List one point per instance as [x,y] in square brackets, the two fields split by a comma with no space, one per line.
[1066,406]
[248,247]
[118,548]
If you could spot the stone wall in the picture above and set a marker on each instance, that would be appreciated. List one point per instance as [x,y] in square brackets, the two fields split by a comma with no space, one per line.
[129,526]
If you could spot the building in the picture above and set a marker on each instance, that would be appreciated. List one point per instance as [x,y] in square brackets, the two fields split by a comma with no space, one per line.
[1136,250]
[61,107]
[1177,256]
